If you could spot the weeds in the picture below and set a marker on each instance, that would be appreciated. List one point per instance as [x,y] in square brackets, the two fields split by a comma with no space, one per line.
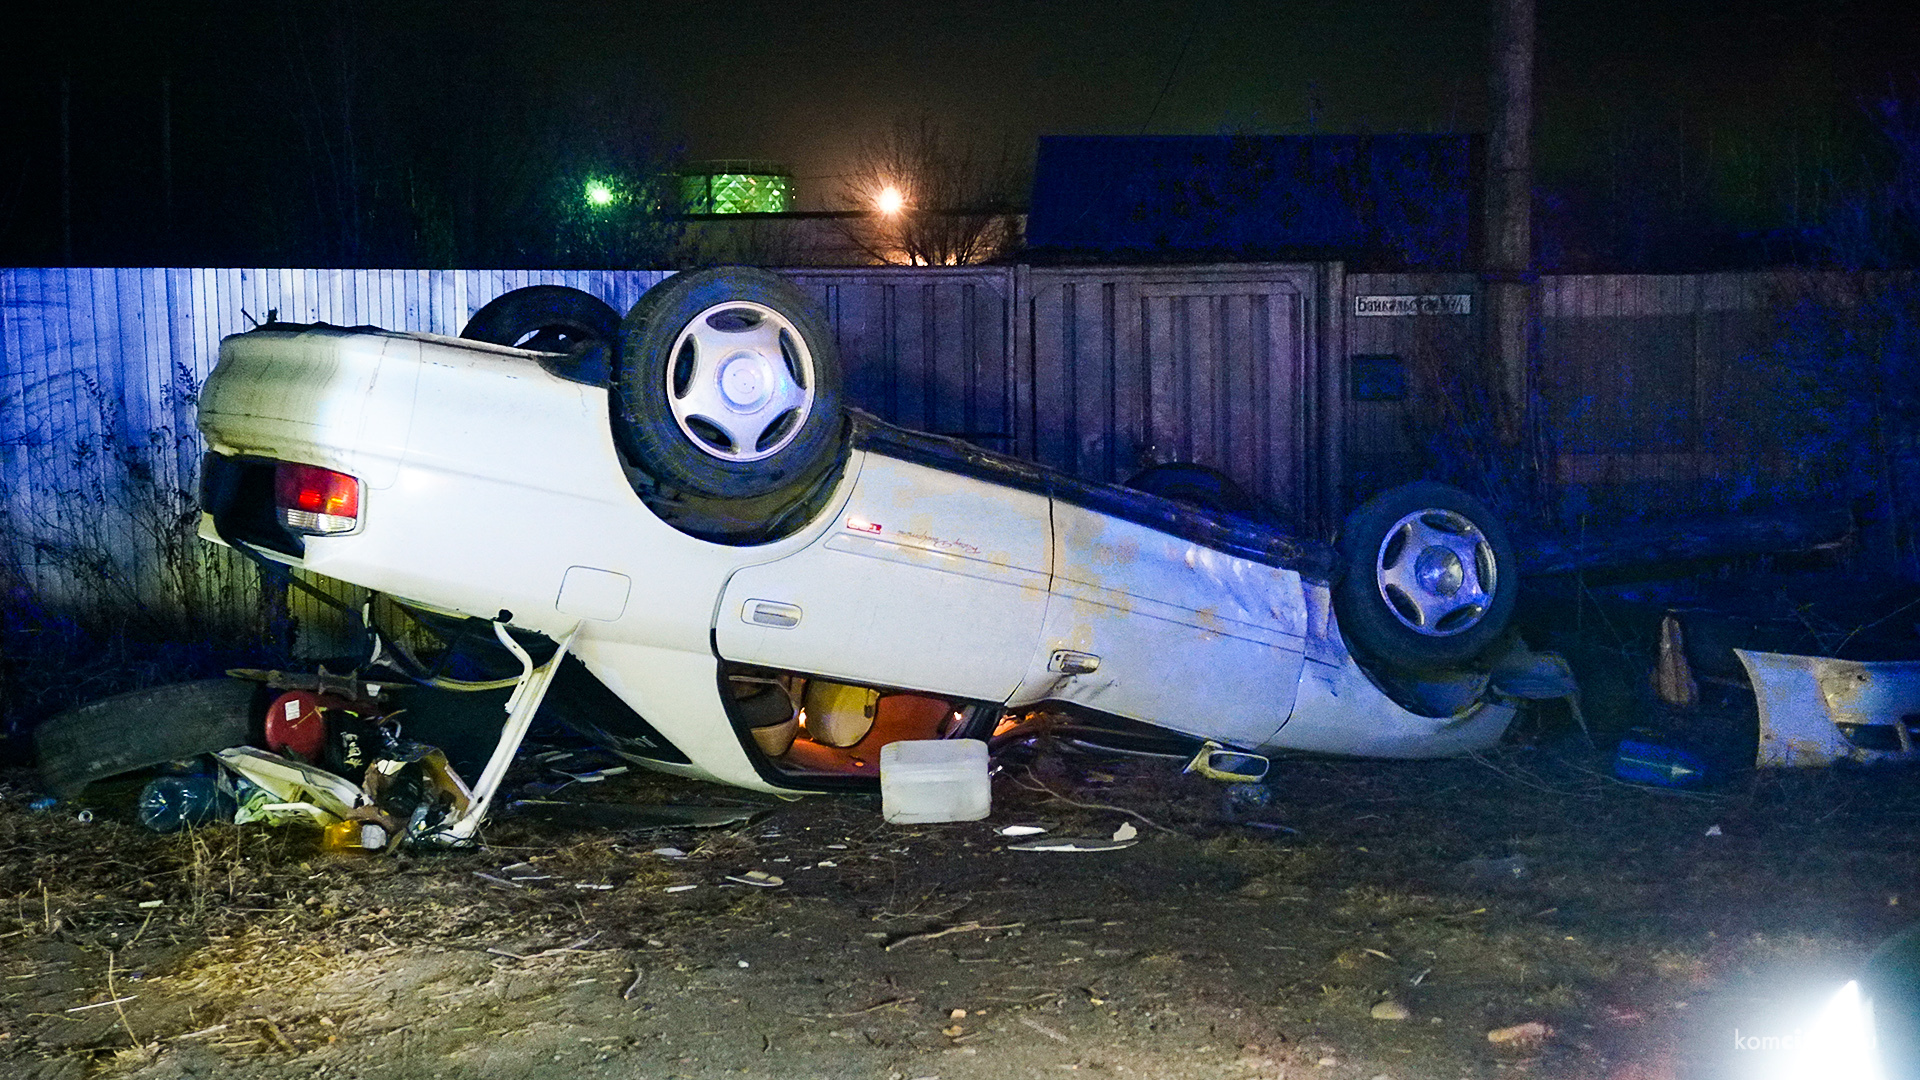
[105,584]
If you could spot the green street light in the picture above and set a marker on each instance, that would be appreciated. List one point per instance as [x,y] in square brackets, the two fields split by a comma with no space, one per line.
[599,193]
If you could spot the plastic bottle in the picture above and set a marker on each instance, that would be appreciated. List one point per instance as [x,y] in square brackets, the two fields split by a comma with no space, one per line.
[171,803]
[346,836]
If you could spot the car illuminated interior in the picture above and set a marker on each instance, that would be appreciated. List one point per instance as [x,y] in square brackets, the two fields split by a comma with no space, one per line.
[816,727]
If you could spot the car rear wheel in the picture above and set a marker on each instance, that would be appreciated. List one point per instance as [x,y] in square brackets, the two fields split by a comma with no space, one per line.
[547,318]
[1428,578]
[729,387]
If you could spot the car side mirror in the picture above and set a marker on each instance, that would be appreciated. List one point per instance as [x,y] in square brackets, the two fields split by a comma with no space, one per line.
[1216,762]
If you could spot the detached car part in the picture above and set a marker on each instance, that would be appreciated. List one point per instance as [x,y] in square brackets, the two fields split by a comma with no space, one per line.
[1817,711]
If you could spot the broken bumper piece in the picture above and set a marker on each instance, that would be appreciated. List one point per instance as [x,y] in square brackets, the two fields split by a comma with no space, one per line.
[1817,711]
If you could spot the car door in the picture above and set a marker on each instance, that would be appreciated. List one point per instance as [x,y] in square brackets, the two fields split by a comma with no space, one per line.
[927,580]
[1149,626]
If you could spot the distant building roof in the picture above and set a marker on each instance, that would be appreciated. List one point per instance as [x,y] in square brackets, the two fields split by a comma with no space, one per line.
[1382,200]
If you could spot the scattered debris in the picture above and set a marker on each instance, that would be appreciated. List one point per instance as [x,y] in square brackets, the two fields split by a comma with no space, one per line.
[1084,843]
[1042,1028]
[103,1004]
[1521,1036]
[171,803]
[578,946]
[631,816]
[758,878]
[1389,1009]
[290,790]
[1055,796]
[1496,871]
[971,926]
[1642,760]
[1020,830]
[873,1008]
[1672,677]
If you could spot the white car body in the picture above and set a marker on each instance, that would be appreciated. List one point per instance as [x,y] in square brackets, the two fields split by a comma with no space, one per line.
[489,484]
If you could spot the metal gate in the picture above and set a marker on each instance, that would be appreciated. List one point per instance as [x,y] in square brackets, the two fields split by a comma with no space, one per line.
[1216,365]
[1097,371]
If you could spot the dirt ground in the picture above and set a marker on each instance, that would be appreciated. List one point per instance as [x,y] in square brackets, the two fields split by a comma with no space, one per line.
[1636,930]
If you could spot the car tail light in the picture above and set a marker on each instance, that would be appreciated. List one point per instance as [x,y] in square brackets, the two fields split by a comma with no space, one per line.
[316,501]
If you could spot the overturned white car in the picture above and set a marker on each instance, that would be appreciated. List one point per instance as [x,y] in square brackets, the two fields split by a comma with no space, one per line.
[772,586]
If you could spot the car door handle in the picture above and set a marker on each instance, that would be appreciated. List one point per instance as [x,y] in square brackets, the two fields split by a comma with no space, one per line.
[1068,662]
[771,613]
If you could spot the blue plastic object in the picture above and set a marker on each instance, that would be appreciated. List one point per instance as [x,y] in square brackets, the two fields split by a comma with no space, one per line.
[1642,762]
[171,803]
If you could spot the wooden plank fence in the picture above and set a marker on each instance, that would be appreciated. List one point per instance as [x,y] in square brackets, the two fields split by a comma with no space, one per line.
[1656,396]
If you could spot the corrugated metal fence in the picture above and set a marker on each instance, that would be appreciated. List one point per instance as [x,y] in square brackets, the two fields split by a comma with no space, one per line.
[1653,394]
[98,449]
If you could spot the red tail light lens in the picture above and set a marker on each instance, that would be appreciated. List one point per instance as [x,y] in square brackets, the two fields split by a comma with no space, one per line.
[316,501]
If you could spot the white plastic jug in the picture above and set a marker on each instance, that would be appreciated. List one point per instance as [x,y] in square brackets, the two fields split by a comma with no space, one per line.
[927,780]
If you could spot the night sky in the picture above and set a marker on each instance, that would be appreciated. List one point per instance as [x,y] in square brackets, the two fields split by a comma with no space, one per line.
[422,133]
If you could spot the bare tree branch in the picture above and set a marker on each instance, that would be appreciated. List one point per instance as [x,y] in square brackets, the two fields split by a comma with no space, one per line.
[958,204]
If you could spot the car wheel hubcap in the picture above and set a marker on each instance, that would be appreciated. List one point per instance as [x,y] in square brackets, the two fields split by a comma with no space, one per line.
[1436,572]
[741,381]
[746,382]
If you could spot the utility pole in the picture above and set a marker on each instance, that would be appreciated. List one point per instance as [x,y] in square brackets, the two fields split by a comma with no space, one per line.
[66,170]
[1509,206]
[166,166]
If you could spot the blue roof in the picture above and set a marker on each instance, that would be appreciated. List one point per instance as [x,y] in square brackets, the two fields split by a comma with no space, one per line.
[1402,200]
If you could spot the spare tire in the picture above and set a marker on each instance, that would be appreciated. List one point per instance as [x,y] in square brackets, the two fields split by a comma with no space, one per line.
[145,728]
[1427,579]
[729,386]
[546,318]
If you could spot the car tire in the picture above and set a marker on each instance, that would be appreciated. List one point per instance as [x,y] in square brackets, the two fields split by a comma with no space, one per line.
[1427,579]
[144,728]
[547,318]
[1198,486]
[729,388]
